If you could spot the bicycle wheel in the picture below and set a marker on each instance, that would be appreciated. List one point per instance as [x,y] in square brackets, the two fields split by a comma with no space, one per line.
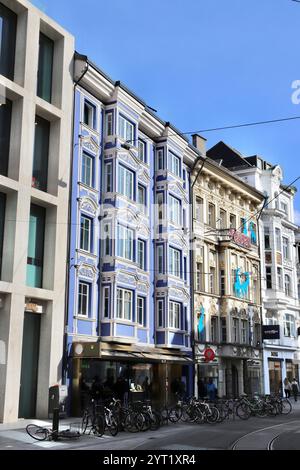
[243,411]
[175,414]
[37,432]
[154,421]
[86,420]
[99,425]
[212,415]
[113,426]
[285,407]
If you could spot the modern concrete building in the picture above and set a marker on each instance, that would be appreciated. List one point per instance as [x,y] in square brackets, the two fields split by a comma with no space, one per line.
[36,92]
[227,310]
[278,262]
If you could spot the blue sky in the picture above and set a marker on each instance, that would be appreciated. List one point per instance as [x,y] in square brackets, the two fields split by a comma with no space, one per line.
[201,64]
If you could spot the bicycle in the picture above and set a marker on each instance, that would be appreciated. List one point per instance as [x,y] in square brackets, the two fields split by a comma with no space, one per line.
[40,433]
[93,419]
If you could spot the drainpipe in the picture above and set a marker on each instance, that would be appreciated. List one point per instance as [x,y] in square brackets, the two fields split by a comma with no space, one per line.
[260,290]
[195,142]
[68,266]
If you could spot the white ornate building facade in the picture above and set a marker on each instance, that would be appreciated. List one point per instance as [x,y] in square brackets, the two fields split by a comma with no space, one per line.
[227,310]
[278,262]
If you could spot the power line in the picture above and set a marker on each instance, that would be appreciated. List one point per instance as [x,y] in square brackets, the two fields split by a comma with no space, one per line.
[231,126]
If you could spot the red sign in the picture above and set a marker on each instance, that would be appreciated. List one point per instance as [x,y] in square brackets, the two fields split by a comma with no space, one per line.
[239,238]
[209,354]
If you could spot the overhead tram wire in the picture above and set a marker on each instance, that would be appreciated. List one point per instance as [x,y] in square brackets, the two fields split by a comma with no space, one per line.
[233,126]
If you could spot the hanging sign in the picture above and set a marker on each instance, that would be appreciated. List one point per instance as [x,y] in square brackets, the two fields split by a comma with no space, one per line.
[209,354]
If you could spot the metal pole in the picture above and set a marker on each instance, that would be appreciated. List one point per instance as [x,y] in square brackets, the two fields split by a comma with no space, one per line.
[55,424]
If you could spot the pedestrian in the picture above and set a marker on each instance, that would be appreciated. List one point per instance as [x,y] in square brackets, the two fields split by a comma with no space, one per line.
[211,389]
[287,387]
[295,388]
[201,388]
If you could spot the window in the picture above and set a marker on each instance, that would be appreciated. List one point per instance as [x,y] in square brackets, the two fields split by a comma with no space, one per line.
[285,248]
[255,284]
[232,221]
[45,67]
[174,164]
[223,217]
[214,337]
[253,234]
[184,178]
[40,156]
[109,124]
[244,226]
[107,240]
[87,169]
[174,315]
[124,304]
[108,178]
[2,218]
[106,291]
[35,253]
[142,150]
[160,313]
[211,215]
[142,198]
[5,126]
[85,233]
[244,331]
[222,281]
[212,280]
[160,207]
[174,262]
[278,239]
[141,311]
[125,182]
[160,159]
[126,130]
[89,114]
[83,299]
[287,285]
[279,278]
[269,277]
[284,207]
[235,330]
[267,238]
[125,243]
[199,277]
[223,330]
[174,210]
[8,26]
[199,209]
[141,254]
[289,325]
[160,259]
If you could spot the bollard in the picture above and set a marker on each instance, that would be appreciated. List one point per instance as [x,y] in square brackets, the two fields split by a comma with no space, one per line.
[55,424]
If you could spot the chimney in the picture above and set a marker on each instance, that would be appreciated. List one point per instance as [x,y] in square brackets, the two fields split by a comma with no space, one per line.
[200,143]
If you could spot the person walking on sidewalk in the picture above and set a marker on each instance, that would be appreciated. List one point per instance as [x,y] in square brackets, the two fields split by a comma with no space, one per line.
[287,387]
[295,388]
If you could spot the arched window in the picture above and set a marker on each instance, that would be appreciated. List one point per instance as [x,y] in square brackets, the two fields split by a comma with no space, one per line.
[287,285]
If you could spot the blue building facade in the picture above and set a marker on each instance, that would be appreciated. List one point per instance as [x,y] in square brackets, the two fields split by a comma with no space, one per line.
[129,295]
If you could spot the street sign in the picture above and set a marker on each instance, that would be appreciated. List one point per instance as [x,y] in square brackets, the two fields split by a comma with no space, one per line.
[270,332]
[209,354]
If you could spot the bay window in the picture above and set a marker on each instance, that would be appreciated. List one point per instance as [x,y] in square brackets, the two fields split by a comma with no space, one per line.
[174,164]
[126,130]
[83,299]
[174,262]
[124,304]
[125,182]
[174,210]
[125,242]
[174,315]
[141,318]
[85,233]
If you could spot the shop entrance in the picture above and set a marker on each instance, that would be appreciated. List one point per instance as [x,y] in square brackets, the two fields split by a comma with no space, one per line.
[275,376]
[29,367]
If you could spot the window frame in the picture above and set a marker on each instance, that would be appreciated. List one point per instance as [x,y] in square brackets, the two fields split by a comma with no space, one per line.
[143,322]
[125,240]
[123,308]
[172,167]
[90,234]
[106,298]
[174,263]
[87,296]
[123,183]
[125,127]
[91,180]
[141,243]
[173,315]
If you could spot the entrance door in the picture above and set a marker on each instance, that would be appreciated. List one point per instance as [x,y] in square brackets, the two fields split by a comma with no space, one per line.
[275,376]
[30,357]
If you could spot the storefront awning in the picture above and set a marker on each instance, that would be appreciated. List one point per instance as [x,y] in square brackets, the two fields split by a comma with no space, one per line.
[126,352]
